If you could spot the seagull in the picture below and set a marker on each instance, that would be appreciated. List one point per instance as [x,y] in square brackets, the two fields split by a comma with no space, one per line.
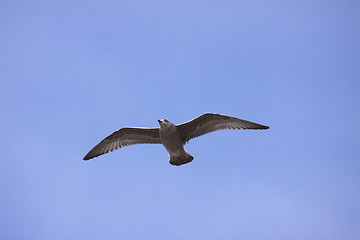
[172,137]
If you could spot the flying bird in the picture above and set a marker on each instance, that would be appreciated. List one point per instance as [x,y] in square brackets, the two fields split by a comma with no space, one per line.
[172,136]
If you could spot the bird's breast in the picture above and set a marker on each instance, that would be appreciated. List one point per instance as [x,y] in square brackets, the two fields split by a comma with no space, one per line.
[170,138]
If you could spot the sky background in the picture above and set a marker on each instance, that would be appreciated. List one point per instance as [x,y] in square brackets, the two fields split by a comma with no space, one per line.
[72,72]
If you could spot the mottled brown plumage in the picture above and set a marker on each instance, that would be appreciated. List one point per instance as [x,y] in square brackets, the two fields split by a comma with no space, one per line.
[172,136]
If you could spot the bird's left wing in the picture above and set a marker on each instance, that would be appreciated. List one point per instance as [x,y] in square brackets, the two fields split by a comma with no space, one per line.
[210,122]
[124,137]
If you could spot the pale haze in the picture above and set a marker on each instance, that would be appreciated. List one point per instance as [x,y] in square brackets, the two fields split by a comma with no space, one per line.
[73,72]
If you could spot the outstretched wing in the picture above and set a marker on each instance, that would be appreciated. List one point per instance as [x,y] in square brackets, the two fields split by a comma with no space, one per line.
[210,122]
[124,137]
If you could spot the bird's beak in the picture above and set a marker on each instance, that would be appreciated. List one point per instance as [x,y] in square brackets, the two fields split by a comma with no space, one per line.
[159,121]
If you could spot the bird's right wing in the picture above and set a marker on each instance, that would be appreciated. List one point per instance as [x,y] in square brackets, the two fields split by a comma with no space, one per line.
[210,122]
[124,137]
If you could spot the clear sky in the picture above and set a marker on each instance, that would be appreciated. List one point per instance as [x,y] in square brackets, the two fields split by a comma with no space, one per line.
[72,72]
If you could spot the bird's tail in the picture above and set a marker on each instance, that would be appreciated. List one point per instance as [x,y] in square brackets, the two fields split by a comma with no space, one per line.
[181,159]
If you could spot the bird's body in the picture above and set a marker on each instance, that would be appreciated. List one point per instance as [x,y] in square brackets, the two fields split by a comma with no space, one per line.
[172,137]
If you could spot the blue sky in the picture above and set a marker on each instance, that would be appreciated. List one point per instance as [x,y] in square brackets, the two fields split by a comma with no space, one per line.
[72,72]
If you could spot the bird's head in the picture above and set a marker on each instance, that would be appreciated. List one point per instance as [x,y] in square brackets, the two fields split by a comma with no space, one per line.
[164,123]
